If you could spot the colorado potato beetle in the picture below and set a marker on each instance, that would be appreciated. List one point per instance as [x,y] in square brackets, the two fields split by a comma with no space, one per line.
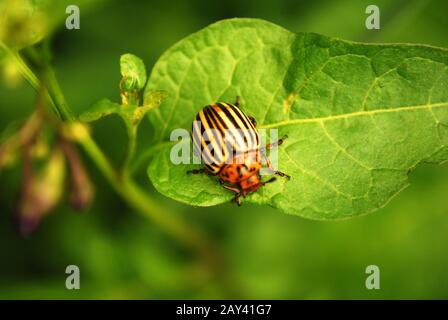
[231,149]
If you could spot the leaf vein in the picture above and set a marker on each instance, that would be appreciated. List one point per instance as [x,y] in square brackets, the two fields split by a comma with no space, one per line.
[355,114]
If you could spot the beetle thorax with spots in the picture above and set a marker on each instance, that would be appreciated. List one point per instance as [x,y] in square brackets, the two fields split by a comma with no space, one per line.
[244,171]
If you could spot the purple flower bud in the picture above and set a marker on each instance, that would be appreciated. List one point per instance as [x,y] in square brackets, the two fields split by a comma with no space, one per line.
[41,191]
[81,190]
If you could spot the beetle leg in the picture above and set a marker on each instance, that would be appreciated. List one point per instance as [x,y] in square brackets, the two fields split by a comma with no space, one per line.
[282,174]
[252,119]
[234,189]
[268,162]
[272,145]
[237,199]
[269,181]
[197,171]
[237,101]
[277,143]
[237,191]
[279,173]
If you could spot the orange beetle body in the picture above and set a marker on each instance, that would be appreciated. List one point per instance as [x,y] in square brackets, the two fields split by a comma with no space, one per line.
[220,126]
[245,175]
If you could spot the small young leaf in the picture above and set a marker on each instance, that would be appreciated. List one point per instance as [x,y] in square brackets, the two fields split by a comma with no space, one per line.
[359,116]
[133,73]
[131,114]
[153,98]
[100,109]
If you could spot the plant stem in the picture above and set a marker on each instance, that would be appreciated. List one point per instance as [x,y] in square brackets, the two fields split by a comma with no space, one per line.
[23,67]
[130,151]
[26,72]
[134,195]
[144,156]
[56,94]
[145,204]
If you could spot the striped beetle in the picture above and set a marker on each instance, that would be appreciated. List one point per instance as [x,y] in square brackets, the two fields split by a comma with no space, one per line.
[231,149]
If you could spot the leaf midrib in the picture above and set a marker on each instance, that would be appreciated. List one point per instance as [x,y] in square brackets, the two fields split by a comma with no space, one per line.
[354,114]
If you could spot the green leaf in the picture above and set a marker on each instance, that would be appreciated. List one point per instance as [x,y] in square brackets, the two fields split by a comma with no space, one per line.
[359,116]
[154,97]
[100,109]
[131,114]
[133,72]
[106,107]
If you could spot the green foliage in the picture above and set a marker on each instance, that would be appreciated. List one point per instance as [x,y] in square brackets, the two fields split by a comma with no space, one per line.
[23,22]
[131,114]
[26,22]
[133,73]
[359,116]
[272,255]
[100,109]
[133,80]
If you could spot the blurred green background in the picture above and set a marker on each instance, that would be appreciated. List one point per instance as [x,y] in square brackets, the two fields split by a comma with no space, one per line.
[271,255]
